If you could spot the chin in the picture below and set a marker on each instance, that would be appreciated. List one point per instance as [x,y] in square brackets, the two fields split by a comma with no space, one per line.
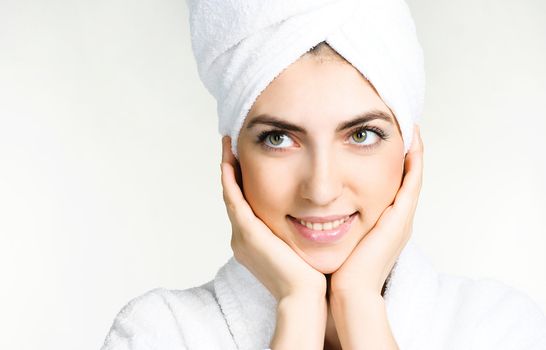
[326,262]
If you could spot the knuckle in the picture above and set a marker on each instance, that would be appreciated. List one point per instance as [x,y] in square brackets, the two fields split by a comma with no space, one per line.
[234,243]
[239,256]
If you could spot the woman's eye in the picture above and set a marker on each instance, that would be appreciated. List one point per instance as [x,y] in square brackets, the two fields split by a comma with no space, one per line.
[277,140]
[364,137]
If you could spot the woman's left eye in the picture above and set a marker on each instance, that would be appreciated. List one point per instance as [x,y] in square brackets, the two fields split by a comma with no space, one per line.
[365,137]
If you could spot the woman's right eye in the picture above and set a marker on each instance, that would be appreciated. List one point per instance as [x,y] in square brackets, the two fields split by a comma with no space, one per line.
[275,140]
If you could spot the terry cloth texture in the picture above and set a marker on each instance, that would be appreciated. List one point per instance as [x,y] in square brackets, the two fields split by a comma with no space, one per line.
[426,310]
[240,46]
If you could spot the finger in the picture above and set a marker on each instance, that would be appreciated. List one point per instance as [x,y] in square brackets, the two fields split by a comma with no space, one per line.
[395,222]
[404,204]
[407,197]
[227,156]
[233,196]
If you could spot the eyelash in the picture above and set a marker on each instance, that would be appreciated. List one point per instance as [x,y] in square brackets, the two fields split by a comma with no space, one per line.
[381,133]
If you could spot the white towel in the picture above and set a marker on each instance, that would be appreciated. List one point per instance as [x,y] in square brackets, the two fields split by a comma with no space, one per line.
[240,46]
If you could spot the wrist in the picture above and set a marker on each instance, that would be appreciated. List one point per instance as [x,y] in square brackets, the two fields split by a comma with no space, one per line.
[303,304]
[344,303]
[355,295]
[362,321]
[301,322]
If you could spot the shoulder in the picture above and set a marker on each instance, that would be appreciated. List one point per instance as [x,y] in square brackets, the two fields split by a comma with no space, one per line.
[165,319]
[492,314]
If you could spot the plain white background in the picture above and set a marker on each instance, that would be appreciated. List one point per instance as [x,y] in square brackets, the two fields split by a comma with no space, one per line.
[109,157]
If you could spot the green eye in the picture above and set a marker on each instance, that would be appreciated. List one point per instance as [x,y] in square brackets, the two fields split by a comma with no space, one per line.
[275,139]
[360,136]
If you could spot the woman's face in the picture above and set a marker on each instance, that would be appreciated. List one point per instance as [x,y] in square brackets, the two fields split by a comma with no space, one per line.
[320,142]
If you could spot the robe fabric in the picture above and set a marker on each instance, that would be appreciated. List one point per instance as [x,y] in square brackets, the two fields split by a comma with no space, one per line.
[426,309]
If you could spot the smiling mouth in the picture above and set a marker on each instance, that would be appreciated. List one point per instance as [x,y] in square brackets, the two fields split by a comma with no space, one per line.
[320,226]
[325,231]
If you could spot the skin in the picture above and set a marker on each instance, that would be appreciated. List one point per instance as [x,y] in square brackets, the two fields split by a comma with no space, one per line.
[320,173]
[328,294]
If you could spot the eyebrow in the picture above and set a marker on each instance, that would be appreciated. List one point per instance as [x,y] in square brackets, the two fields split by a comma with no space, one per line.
[284,125]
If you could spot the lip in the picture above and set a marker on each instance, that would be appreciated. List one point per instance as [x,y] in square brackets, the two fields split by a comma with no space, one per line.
[324,236]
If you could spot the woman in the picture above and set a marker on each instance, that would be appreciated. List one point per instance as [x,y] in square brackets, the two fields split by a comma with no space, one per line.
[345,164]
[321,178]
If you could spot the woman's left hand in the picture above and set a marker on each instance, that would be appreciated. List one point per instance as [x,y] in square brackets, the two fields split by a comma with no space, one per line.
[355,300]
[366,269]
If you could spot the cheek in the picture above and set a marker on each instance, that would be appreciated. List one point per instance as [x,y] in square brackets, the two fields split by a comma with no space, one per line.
[267,188]
[377,185]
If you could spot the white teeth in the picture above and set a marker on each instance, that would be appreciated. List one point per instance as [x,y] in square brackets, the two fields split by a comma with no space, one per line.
[323,226]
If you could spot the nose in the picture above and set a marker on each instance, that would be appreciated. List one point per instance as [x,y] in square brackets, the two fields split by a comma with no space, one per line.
[322,183]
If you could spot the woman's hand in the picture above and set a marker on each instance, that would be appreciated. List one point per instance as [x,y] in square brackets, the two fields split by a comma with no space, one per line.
[366,269]
[270,259]
[300,290]
[357,307]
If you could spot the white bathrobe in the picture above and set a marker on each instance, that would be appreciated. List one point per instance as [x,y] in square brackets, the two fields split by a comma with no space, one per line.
[426,310]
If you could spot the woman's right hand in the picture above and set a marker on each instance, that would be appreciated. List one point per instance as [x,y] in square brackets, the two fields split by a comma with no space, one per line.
[270,259]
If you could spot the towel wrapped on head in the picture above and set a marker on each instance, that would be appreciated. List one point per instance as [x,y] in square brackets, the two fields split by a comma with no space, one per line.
[241,45]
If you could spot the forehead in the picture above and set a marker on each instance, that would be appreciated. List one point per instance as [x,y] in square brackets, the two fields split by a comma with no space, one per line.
[317,95]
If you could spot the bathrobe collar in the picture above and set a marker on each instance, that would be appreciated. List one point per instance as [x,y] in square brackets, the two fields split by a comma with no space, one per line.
[250,310]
